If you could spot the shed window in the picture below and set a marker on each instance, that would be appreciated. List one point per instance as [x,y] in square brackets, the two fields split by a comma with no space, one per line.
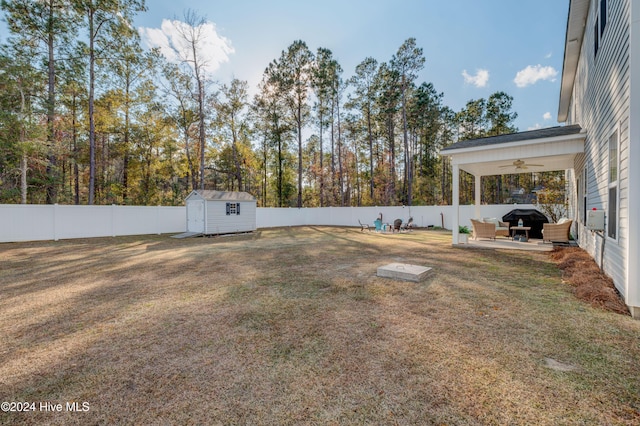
[233,209]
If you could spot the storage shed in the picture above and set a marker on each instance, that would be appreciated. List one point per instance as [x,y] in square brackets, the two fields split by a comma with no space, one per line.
[220,212]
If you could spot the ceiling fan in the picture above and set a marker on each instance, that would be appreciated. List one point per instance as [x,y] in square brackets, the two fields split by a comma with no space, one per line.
[521,165]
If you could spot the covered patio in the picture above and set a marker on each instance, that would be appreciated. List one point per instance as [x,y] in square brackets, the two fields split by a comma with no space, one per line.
[542,150]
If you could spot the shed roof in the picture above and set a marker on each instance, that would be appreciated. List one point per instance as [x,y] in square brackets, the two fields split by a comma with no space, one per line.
[210,195]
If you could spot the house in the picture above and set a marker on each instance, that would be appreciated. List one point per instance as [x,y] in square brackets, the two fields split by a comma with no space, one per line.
[220,212]
[598,145]
[600,90]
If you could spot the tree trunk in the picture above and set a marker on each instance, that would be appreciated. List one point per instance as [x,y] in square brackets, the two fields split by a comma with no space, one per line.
[51,104]
[264,175]
[280,161]
[92,125]
[340,171]
[299,123]
[370,134]
[392,160]
[407,151]
[201,126]
[125,160]
[76,152]
[236,157]
[321,160]
[23,178]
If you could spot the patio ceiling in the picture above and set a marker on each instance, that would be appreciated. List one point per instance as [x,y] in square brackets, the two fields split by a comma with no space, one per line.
[540,150]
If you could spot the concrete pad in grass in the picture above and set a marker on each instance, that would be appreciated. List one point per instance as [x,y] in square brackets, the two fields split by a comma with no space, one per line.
[403,271]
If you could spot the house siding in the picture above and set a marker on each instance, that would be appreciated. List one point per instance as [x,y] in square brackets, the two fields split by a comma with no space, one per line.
[600,104]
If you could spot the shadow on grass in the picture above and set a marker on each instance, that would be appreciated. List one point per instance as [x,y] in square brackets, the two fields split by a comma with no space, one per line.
[293,327]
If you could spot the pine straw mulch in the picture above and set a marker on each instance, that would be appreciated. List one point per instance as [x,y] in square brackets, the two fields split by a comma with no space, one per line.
[589,283]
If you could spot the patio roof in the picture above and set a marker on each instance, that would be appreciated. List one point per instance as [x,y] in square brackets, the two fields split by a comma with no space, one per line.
[539,150]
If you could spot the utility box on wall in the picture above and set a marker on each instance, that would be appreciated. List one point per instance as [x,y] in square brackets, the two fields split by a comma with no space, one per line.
[595,220]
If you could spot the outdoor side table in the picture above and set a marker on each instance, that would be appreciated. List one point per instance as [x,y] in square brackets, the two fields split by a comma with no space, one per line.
[515,229]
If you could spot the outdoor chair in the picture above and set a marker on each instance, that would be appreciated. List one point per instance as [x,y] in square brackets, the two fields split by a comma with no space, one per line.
[397,224]
[557,232]
[483,229]
[502,228]
[378,224]
[407,225]
[364,226]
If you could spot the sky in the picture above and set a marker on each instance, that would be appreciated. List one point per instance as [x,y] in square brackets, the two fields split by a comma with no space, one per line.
[472,48]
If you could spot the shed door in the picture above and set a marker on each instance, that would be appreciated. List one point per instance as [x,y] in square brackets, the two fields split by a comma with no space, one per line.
[195,216]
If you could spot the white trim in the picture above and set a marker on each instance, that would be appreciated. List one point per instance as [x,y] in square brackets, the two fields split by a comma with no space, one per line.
[485,160]
[576,21]
[613,184]
[632,279]
[515,144]
[585,193]
[478,195]
[456,203]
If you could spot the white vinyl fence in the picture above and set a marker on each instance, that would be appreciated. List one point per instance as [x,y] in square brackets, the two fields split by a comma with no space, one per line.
[28,222]
[423,216]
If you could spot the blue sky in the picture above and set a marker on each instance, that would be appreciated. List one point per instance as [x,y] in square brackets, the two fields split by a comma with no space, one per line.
[494,39]
[472,48]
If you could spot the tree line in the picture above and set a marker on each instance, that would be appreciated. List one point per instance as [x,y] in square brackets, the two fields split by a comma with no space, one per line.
[87,116]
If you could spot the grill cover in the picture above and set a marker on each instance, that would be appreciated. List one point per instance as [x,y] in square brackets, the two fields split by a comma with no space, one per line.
[530,217]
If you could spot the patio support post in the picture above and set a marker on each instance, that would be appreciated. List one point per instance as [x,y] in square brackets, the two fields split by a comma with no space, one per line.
[478,196]
[455,180]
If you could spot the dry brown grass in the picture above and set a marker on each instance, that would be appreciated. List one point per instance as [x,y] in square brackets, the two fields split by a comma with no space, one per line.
[291,326]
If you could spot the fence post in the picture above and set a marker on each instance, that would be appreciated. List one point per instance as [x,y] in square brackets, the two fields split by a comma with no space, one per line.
[55,219]
[113,220]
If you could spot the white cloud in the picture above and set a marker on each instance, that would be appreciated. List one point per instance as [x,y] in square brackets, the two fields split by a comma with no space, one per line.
[479,80]
[548,55]
[535,127]
[531,74]
[547,116]
[214,49]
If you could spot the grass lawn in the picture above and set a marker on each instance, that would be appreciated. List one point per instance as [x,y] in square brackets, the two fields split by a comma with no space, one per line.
[291,326]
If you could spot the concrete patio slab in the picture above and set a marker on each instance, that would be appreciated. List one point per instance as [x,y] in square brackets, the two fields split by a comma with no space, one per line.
[403,271]
[508,244]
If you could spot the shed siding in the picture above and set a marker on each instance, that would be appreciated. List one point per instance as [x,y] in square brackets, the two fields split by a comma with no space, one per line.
[600,104]
[218,222]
